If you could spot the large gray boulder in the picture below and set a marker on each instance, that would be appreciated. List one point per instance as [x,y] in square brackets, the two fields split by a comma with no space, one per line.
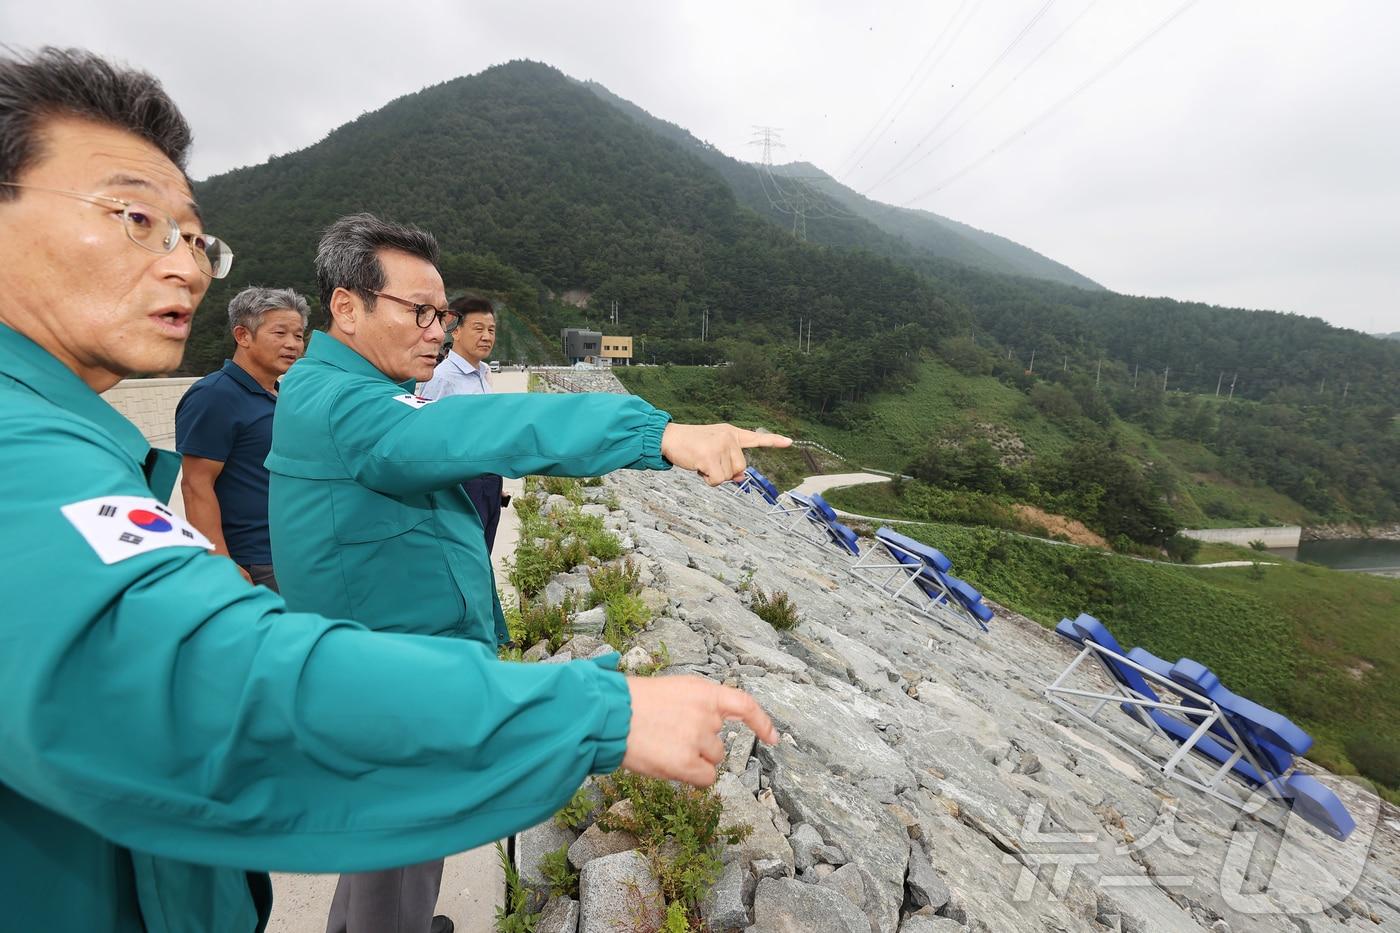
[926,889]
[619,892]
[683,644]
[835,723]
[533,844]
[785,905]
[560,915]
[867,833]
[596,843]
[764,843]
[806,843]
[726,906]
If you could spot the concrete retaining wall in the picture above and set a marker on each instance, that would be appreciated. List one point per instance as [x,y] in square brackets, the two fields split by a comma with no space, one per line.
[1281,536]
[150,405]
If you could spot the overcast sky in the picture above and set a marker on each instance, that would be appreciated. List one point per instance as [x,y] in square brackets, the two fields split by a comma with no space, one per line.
[1245,155]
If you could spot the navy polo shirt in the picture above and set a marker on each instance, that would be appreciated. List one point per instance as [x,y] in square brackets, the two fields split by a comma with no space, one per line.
[227,416]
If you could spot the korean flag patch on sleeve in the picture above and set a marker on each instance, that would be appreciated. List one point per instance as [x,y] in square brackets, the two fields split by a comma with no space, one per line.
[413,401]
[118,527]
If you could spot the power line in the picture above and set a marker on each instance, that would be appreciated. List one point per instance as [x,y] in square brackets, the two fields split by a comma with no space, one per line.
[852,161]
[898,168]
[1093,79]
[1004,88]
[800,198]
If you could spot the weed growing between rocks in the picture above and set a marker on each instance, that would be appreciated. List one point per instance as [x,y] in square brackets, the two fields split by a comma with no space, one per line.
[660,662]
[527,507]
[562,878]
[627,615]
[678,830]
[611,580]
[577,811]
[556,542]
[535,622]
[615,587]
[677,919]
[515,916]
[776,608]
[565,486]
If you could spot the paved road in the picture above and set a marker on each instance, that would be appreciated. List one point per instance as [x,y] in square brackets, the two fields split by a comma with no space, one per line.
[472,884]
[819,484]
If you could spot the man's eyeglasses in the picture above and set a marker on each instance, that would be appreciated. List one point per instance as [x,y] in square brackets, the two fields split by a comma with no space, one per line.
[424,315]
[152,229]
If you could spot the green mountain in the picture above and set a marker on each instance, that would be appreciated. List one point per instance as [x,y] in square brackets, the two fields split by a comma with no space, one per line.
[844,218]
[535,187]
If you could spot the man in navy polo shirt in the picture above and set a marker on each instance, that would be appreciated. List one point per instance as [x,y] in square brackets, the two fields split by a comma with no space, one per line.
[223,429]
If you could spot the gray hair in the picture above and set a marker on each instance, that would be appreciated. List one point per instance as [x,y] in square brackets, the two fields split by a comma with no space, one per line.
[75,83]
[248,306]
[348,254]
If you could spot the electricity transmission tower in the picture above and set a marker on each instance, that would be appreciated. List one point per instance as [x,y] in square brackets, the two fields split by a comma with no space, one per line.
[799,196]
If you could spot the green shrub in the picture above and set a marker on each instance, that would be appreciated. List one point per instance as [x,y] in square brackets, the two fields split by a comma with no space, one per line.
[1183,549]
[577,811]
[597,541]
[515,915]
[661,662]
[536,621]
[677,919]
[562,878]
[610,580]
[776,608]
[626,616]
[555,543]
[530,569]
[678,828]
[527,507]
[1258,545]
[560,486]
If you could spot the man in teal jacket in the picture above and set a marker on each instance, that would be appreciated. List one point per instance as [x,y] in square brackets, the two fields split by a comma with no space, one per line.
[164,727]
[368,515]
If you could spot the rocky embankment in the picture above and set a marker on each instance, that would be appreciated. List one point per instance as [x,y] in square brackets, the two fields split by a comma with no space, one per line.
[923,784]
[1347,531]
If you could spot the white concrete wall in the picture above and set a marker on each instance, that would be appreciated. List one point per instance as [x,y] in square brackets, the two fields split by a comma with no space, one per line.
[150,405]
[1281,536]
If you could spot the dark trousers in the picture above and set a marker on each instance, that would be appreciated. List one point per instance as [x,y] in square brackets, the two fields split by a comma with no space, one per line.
[485,493]
[262,575]
[399,900]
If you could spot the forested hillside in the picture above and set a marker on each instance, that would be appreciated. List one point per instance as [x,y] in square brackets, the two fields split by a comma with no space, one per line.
[534,186]
[851,221]
[537,185]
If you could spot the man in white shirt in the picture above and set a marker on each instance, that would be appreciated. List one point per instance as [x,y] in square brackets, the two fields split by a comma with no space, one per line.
[464,371]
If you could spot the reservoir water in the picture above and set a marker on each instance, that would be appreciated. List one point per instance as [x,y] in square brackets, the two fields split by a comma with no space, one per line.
[1368,554]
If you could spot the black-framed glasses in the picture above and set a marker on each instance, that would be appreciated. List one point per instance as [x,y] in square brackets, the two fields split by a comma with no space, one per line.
[424,315]
[153,229]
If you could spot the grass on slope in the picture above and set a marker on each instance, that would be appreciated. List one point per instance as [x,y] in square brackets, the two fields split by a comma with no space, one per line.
[897,425]
[1205,496]
[939,402]
[1318,645]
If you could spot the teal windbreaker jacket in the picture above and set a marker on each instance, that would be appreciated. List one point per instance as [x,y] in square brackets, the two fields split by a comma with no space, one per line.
[369,520]
[168,733]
